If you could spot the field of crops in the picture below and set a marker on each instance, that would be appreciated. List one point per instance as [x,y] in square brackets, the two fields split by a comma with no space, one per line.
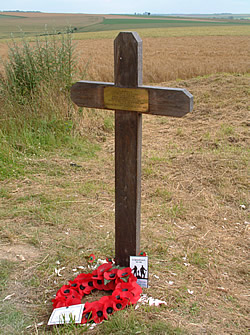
[37,23]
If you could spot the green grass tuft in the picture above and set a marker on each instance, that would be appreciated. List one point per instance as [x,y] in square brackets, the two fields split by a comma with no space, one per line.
[5,270]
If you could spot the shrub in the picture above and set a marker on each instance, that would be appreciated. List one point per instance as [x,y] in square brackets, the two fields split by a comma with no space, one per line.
[36,113]
[48,61]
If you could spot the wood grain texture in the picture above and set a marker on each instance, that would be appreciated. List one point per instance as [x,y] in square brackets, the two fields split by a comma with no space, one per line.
[89,93]
[128,136]
[128,59]
[128,143]
[174,102]
[163,101]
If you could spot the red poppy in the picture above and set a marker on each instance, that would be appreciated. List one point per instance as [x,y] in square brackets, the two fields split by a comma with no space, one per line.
[131,291]
[82,276]
[124,273]
[118,301]
[129,287]
[132,287]
[137,290]
[109,260]
[67,291]
[97,275]
[104,267]
[88,312]
[60,292]
[58,302]
[84,283]
[127,295]
[132,279]
[91,258]
[93,311]
[72,298]
[98,315]
[110,286]
[108,308]
[98,280]
[142,253]
[75,284]
[110,275]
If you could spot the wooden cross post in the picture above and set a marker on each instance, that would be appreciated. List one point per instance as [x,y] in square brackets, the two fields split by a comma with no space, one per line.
[129,99]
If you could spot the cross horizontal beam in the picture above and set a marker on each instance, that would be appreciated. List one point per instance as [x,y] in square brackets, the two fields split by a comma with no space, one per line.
[165,101]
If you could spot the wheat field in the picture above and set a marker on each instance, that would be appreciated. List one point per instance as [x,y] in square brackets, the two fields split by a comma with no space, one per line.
[168,58]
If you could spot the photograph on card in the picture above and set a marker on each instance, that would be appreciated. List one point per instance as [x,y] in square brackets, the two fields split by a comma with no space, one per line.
[139,267]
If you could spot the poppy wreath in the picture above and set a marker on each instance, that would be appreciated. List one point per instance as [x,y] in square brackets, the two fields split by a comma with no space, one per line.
[107,277]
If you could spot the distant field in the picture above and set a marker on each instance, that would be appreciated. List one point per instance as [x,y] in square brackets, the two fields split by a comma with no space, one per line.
[7,16]
[123,24]
[225,16]
[170,32]
[33,24]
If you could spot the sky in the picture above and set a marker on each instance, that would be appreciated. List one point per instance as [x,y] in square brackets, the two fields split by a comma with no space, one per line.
[129,6]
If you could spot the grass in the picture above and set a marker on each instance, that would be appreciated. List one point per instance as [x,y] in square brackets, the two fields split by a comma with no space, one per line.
[132,323]
[5,269]
[57,195]
[185,199]
[13,321]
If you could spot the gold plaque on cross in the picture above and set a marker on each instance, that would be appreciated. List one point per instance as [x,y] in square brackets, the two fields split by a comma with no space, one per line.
[127,99]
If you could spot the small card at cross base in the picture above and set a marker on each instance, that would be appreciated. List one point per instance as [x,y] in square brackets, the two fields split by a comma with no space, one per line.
[139,267]
[66,314]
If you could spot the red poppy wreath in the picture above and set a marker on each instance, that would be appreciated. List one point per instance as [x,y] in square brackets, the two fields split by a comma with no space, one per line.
[107,277]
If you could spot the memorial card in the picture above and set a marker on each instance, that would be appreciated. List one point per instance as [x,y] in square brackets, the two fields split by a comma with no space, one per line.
[139,267]
[66,315]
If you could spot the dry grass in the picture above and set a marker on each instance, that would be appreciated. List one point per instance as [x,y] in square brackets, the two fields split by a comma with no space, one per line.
[172,57]
[194,181]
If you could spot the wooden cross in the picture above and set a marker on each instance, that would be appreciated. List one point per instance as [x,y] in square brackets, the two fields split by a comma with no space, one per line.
[129,99]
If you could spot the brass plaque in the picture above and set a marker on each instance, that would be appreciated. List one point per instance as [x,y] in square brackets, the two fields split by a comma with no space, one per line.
[127,99]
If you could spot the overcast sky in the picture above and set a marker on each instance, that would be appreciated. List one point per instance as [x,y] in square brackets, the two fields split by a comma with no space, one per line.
[129,6]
